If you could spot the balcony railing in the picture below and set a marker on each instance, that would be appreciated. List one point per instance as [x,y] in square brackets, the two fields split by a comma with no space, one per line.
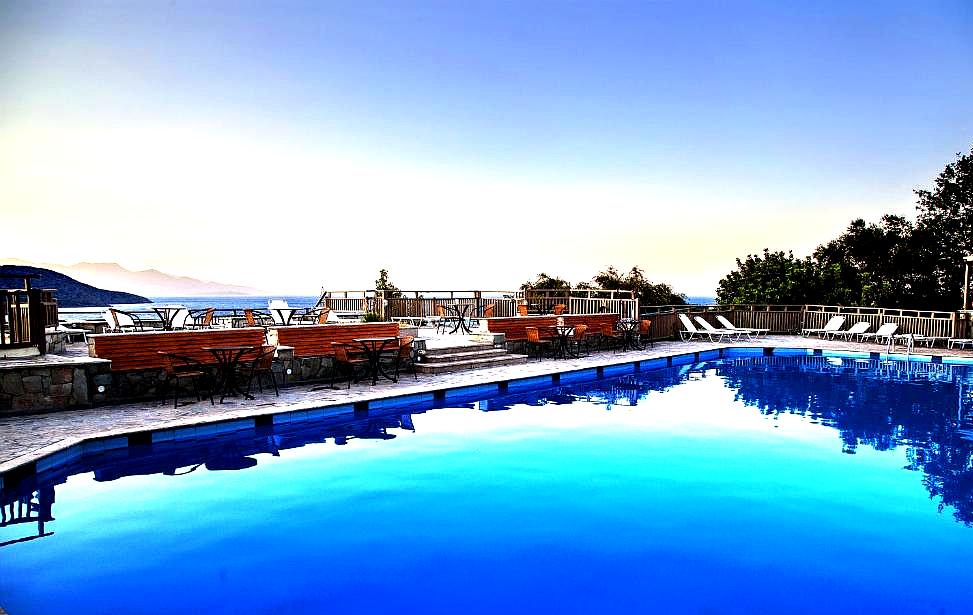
[24,313]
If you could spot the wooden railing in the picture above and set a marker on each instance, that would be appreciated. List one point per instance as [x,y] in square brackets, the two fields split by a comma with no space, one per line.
[793,318]
[24,313]
[424,303]
[919,322]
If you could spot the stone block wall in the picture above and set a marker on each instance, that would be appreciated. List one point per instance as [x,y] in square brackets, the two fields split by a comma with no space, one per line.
[50,387]
[38,387]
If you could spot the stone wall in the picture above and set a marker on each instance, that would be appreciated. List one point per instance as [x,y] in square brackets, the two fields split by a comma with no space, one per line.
[51,387]
[38,387]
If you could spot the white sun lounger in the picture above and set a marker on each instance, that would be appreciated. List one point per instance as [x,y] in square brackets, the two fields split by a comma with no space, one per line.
[690,331]
[833,325]
[748,331]
[708,328]
[883,335]
[856,329]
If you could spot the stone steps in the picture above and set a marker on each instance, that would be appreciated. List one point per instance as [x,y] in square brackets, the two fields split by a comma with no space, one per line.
[462,358]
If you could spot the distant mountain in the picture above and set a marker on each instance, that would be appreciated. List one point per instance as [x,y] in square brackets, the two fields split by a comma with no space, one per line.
[150,282]
[70,292]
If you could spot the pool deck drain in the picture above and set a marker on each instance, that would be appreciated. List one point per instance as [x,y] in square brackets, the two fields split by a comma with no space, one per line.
[25,439]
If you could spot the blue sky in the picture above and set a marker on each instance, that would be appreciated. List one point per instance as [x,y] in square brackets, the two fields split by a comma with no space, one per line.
[471,144]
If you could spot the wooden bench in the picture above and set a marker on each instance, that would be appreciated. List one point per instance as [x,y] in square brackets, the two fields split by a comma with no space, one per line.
[594,321]
[515,328]
[140,350]
[316,340]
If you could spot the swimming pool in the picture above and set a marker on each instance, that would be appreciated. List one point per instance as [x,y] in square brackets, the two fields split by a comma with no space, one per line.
[736,485]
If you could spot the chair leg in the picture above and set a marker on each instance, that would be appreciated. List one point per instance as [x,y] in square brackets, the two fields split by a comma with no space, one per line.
[273,379]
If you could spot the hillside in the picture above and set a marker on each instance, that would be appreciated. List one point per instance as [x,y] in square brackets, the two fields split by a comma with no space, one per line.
[148,282]
[70,292]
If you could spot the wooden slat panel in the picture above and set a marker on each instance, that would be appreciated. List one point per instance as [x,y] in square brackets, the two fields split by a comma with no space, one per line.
[316,340]
[515,329]
[129,351]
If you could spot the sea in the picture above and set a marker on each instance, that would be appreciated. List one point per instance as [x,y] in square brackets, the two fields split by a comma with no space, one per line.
[75,314]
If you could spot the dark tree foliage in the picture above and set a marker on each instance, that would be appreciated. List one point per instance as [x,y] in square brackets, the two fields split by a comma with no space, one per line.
[946,219]
[895,263]
[610,279]
[635,281]
[383,283]
[546,282]
[775,277]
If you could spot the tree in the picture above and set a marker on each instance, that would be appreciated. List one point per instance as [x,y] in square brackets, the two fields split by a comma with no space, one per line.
[383,283]
[876,265]
[635,281]
[774,277]
[546,282]
[892,263]
[945,219]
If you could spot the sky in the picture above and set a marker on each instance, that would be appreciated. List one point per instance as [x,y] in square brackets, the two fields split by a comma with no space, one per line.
[467,145]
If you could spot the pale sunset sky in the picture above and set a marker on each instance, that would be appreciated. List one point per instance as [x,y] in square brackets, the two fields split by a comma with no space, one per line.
[462,144]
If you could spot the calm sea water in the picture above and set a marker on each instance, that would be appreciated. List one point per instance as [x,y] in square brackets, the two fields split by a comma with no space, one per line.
[230,302]
[753,485]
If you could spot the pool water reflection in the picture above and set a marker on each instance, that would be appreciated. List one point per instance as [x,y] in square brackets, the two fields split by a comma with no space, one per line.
[777,484]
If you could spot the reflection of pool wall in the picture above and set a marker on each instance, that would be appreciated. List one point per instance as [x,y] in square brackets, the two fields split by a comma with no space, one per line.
[499,395]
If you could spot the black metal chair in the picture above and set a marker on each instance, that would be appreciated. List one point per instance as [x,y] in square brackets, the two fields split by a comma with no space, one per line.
[537,343]
[260,367]
[354,366]
[180,369]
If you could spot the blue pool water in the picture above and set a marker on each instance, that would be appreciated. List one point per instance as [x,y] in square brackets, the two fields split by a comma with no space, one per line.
[749,485]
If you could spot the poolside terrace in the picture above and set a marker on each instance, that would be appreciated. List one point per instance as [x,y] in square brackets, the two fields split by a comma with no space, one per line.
[26,439]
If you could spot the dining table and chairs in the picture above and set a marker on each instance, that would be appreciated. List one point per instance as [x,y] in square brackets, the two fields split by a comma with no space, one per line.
[228,359]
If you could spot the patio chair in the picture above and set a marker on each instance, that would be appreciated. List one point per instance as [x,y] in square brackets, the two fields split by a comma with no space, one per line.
[832,325]
[121,321]
[581,339]
[610,337]
[180,369]
[354,365]
[201,319]
[856,329]
[406,356]
[259,367]
[535,341]
[959,341]
[748,331]
[645,332]
[486,313]
[709,329]
[883,335]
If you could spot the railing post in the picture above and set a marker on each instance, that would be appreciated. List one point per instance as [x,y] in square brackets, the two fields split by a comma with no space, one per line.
[38,319]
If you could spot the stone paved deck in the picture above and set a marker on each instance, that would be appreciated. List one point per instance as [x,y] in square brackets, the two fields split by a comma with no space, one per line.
[26,438]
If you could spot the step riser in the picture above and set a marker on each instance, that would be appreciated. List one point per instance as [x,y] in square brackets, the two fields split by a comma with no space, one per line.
[462,366]
[459,349]
[472,356]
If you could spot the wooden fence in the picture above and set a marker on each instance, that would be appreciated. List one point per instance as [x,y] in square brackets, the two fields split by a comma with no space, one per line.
[24,313]
[776,318]
[919,322]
